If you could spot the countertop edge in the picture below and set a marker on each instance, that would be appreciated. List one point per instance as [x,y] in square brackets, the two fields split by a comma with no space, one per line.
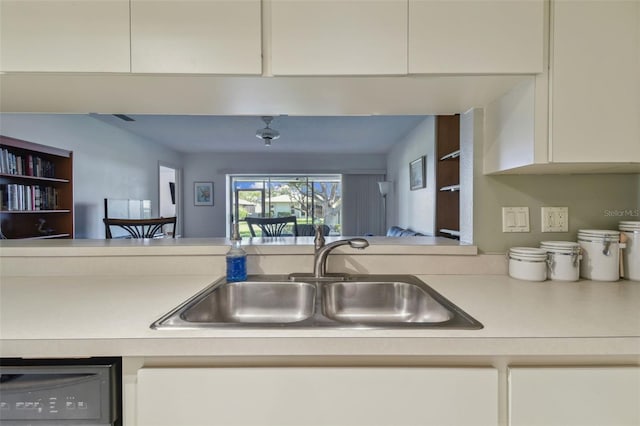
[326,347]
[219,246]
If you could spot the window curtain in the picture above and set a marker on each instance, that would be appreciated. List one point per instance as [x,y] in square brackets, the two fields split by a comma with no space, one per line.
[362,207]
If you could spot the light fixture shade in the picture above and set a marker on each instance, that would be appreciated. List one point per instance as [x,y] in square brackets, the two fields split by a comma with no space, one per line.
[385,187]
[267,134]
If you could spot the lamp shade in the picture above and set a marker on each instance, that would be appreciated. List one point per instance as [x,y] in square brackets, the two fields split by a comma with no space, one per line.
[385,187]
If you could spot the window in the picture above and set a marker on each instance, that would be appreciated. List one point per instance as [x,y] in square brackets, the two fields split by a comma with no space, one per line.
[313,199]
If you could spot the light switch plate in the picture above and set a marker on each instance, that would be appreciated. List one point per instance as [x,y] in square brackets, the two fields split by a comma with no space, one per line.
[555,219]
[515,219]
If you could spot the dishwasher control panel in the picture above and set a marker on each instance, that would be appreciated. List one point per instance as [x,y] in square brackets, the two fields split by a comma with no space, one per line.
[59,394]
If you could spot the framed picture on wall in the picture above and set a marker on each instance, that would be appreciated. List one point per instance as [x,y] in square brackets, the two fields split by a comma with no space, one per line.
[417,171]
[203,193]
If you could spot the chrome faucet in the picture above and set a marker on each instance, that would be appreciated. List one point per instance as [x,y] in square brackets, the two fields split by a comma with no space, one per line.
[318,241]
[322,252]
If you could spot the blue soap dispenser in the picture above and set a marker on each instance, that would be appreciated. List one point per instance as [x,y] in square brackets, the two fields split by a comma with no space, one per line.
[236,258]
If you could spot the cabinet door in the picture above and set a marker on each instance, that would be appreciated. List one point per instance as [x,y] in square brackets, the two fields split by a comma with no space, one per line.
[317,396]
[196,36]
[347,37]
[64,35]
[574,396]
[595,80]
[476,36]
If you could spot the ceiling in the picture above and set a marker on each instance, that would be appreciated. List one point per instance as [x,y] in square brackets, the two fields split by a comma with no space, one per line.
[199,113]
[298,134]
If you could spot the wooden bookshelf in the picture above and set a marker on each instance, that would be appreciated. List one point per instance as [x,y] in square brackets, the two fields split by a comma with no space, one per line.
[448,176]
[36,190]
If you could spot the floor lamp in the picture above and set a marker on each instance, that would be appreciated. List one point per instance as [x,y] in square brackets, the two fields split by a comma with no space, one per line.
[384,187]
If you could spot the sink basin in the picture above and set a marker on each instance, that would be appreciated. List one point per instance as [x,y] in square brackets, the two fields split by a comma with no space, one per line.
[253,302]
[381,302]
[349,301]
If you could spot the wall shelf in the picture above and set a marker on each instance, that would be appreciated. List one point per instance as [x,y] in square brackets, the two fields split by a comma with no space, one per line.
[33,211]
[448,176]
[452,232]
[451,188]
[48,237]
[451,156]
[33,178]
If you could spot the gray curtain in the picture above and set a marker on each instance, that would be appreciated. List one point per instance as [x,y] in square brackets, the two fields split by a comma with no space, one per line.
[362,207]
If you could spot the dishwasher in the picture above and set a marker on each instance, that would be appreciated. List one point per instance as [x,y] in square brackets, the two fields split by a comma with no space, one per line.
[73,392]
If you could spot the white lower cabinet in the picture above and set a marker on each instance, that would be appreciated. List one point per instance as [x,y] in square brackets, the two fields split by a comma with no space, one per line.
[574,396]
[317,396]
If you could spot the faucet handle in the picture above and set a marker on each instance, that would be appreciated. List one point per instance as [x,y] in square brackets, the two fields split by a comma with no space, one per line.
[319,238]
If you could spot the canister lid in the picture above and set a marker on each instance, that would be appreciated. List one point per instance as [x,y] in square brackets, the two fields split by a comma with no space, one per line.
[629,225]
[560,246]
[598,233]
[527,253]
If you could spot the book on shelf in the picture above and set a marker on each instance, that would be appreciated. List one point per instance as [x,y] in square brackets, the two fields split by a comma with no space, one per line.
[17,164]
[17,197]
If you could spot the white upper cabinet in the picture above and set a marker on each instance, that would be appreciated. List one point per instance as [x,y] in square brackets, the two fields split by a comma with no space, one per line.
[196,36]
[595,81]
[345,37]
[476,36]
[63,35]
[583,115]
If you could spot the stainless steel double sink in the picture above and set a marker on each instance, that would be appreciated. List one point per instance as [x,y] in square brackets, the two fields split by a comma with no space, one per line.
[353,301]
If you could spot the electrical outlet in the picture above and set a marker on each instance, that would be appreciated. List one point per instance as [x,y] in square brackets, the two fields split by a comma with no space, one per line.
[515,219]
[555,219]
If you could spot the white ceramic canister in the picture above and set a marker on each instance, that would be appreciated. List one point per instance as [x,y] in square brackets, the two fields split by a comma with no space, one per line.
[528,263]
[631,252]
[600,254]
[564,260]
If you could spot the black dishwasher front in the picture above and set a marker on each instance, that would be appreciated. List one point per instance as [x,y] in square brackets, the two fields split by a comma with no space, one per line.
[70,392]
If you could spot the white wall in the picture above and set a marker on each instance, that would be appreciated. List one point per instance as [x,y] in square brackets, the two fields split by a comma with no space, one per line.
[406,208]
[107,162]
[210,221]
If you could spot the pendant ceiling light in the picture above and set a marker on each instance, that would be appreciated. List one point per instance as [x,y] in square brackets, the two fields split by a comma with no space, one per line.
[267,134]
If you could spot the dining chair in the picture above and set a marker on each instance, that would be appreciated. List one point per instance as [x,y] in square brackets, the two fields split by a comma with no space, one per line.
[307,230]
[140,228]
[273,226]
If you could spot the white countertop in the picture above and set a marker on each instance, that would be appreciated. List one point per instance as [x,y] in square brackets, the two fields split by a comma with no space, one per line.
[110,315]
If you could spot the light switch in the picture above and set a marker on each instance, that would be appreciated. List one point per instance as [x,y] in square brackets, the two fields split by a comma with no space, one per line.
[515,219]
[555,219]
